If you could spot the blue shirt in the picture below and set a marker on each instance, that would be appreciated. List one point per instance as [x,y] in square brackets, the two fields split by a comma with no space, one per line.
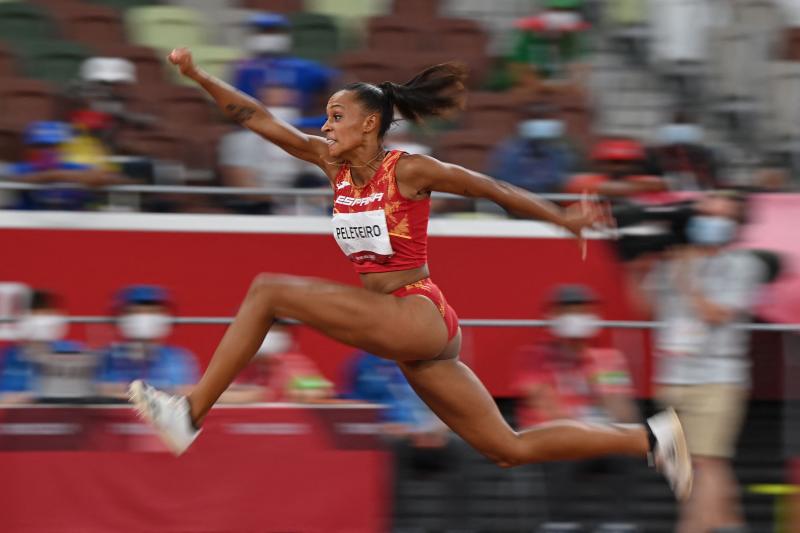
[56,198]
[380,381]
[164,367]
[537,166]
[302,75]
[17,371]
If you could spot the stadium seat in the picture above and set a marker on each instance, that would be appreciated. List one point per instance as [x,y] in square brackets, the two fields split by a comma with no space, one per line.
[374,68]
[422,9]
[783,116]
[93,26]
[626,12]
[461,35]
[184,106]
[395,32]
[23,100]
[12,143]
[216,60]
[732,47]
[792,44]
[275,6]
[158,144]
[468,148]
[164,27]
[8,62]
[314,36]
[122,5]
[232,27]
[149,65]
[497,113]
[350,17]
[21,21]
[55,61]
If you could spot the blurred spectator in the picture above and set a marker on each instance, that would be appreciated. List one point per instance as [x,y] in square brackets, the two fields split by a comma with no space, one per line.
[618,171]
[423,446]
[537,158]
[567,378]
[87,146]
[248,160]
[550,44]
[41,366]
[401,137]
[271,64]
[279,372]
[682,159]
[699,293]
[144,321]
[45,163]
[101,87]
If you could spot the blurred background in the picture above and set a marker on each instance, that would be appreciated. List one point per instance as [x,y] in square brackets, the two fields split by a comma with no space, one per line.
[134,215]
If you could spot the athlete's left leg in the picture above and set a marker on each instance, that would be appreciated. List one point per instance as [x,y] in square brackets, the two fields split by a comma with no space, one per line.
[458,397]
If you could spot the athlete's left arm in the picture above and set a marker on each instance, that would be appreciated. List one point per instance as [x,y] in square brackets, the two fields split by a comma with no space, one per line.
[426,174]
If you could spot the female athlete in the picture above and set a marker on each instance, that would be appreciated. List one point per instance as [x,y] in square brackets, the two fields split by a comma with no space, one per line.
[380,220]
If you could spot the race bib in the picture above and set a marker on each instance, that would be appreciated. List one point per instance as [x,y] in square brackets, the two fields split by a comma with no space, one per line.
[363,236]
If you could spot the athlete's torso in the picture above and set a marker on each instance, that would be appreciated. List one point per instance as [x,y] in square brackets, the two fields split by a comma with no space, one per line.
[376,227]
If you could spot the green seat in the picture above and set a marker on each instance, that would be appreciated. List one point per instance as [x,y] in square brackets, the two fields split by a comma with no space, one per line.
[24,22]
[216,60]
[58,62]
[314,36]
[165,27]
[123,5]
[627,12]
[350,17]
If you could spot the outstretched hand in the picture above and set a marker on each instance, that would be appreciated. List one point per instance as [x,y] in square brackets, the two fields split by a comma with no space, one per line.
[588,213]
[182,57]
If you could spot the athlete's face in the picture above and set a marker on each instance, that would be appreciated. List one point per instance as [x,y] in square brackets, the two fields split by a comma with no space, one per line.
[348,125]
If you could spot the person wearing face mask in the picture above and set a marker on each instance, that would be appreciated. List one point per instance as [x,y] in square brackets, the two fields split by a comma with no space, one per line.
[279,372]
[144,322]
[569,378]
[537,158]
[247,160]
[618,170]
[38,331]
[698,294]
[270,63]
[681,157]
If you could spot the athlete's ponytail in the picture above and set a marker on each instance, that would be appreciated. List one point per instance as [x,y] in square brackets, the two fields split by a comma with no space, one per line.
[433,92]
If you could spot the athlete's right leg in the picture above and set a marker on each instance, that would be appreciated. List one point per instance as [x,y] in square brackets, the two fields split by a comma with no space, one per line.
[388,326]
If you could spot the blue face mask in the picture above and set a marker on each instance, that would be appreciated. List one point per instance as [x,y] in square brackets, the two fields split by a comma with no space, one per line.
[710,230]
[539,129]
[680,134]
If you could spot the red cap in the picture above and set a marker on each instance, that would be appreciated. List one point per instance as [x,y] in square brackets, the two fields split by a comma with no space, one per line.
[618,150]
[88,118]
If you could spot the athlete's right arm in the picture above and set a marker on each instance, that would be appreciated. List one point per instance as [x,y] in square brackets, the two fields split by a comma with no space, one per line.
[252,114]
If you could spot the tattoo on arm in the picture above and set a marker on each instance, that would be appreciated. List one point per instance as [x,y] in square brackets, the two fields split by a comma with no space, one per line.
[240,114]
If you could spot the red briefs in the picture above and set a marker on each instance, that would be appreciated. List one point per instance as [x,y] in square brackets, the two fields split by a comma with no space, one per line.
[426,287]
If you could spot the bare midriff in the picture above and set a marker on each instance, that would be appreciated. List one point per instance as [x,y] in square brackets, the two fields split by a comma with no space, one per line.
[387,282]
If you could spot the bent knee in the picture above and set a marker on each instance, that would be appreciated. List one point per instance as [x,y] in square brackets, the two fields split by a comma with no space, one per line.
[510,455]
[268,283]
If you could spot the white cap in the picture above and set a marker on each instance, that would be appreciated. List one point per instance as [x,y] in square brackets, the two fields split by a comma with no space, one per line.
[108,69]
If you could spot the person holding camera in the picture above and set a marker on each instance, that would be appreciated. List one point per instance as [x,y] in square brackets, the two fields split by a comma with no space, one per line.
[699,292]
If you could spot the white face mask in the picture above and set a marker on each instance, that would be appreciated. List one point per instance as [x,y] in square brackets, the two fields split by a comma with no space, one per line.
[276,342]
[274,43]
[285,113]
[575,325]
[539,129]
[43,327]
[707,230]
[145,326]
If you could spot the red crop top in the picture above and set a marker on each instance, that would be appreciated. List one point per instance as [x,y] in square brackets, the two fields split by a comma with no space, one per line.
[375,226]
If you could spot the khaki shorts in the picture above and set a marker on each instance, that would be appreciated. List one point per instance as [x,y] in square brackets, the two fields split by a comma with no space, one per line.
[711,415]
